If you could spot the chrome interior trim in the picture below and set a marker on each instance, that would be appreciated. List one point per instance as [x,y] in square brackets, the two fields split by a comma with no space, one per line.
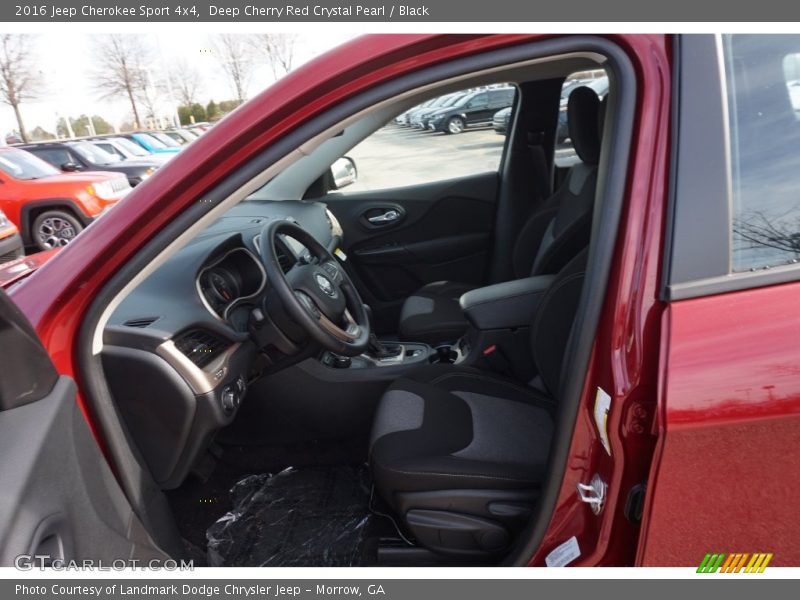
[389,361]
[202,381]
[239,300]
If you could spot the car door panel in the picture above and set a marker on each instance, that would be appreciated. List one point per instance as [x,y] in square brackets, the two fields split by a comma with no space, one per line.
[729,420]
[444,232]
[397,270]
[58,496]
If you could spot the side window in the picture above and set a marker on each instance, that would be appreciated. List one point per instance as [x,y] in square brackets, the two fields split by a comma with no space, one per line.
[111,150]
[55,156]
[762,74]
[478,101]
[435,141]
[596,80]
[500,99]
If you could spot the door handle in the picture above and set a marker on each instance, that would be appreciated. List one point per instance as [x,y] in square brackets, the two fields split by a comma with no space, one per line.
[388,217]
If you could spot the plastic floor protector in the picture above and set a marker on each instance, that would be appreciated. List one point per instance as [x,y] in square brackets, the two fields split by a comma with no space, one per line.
[297,517]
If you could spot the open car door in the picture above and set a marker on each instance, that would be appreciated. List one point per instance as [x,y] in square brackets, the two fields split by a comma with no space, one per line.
[59,500]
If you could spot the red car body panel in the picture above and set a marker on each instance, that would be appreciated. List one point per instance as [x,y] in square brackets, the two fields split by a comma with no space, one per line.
[625,357]
[17,270]
[725,479]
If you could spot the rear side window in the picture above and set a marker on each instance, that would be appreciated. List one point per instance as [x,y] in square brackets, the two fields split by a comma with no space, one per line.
[55,156]
[762,74]
[110,149]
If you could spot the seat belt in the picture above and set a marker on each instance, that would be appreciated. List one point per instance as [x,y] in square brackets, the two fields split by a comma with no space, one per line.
[541,173]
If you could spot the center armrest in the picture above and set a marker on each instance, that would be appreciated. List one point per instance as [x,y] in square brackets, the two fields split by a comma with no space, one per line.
[505,305]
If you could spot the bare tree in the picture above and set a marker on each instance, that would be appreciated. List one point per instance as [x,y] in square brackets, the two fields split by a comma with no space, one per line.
[234,55]
[149,98]
[279,50]
[19,80]
[187,83]
[777,232]
[122,68]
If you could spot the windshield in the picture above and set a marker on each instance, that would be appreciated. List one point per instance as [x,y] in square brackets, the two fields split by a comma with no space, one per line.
[92,154]
[150,140]
[24,165]
[130,147]
[441,101]
[165,139]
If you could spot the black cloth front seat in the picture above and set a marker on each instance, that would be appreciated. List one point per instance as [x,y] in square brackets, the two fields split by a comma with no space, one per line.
[460,454]
[552,235]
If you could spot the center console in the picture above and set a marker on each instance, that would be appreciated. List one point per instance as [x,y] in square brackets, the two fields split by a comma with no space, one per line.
[403,354]
[500,316]
[396,354]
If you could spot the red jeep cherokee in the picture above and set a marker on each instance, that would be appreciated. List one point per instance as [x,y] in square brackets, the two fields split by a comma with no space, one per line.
[581,355]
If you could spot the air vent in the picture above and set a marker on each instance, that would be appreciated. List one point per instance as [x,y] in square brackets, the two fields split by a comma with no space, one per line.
[201,346]
[140,322]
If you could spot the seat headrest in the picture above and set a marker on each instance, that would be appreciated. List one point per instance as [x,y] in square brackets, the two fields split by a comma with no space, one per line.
[583,110]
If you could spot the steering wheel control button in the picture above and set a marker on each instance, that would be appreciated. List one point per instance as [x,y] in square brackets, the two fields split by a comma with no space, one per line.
[331,270]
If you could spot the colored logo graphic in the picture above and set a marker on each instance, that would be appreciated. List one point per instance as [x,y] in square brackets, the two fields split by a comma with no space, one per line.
[734,563]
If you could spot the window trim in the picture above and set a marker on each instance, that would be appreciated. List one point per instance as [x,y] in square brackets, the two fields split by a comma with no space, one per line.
[693,266]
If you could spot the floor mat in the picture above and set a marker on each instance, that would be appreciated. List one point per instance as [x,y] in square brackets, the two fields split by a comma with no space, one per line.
[198,503]
[313,516]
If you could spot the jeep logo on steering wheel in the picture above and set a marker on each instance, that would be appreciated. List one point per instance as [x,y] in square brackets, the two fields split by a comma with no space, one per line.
[325,285]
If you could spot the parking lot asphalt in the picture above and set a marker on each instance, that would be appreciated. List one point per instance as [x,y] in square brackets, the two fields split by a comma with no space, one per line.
[397,156]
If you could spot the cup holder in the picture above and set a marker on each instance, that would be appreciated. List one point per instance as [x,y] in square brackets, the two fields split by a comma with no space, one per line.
[444,354]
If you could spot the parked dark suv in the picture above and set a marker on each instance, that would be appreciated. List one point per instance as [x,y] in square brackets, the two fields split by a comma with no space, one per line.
[80,155]
[471,110]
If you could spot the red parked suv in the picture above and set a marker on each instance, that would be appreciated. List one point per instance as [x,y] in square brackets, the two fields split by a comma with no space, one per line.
[10,241]
[49,207]
[551,358]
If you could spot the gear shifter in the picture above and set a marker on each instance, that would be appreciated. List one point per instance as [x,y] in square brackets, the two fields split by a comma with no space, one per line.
[377,349]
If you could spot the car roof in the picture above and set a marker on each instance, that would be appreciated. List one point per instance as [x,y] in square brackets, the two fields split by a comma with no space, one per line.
[46,143]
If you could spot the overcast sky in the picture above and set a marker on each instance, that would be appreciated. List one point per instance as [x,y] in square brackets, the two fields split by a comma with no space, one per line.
[66,63]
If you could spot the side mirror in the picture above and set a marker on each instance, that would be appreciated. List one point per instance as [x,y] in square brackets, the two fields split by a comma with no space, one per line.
[343,172]
[70,167]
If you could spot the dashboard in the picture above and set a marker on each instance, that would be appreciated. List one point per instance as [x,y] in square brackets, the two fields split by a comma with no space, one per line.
[178,350]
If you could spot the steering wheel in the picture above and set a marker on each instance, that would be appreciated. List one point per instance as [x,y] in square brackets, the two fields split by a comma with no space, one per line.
[319,295]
